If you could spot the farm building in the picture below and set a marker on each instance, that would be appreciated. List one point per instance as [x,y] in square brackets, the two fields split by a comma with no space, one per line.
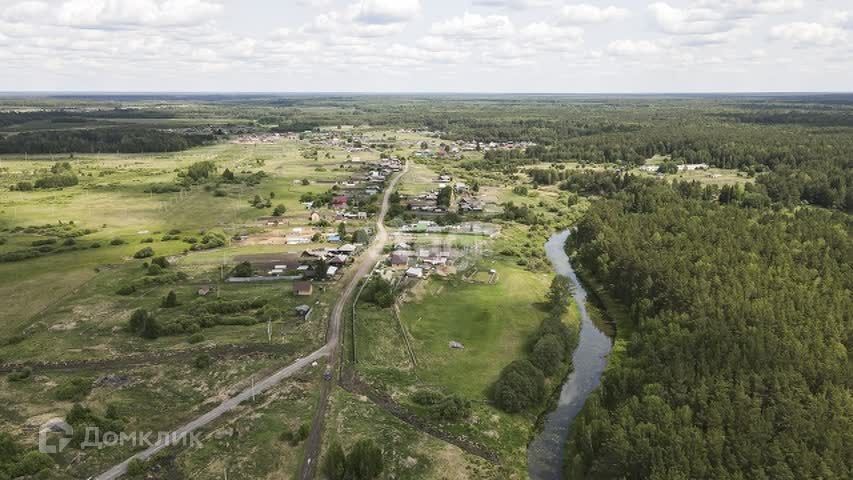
[303,289]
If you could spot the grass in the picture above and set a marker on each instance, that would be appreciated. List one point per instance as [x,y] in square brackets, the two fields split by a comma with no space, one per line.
[493,322]
[407,452]
[249,444]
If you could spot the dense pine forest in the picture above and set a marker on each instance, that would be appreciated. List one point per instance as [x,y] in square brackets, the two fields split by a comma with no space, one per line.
[738,364]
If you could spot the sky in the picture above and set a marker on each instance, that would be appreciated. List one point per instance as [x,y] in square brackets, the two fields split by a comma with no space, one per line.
[477,46]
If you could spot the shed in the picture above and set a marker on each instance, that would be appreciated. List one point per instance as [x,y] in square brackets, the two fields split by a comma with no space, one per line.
[303,288]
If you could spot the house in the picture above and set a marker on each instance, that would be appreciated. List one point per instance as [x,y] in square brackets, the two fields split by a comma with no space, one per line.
[203,291]
[340,201]
[303,289]
[399,260]
[331,271]
[338,260]
[415,272]
[316,217]
[347,249]
[333,237]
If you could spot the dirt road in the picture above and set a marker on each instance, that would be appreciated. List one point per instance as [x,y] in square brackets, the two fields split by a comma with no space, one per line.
[366,263]
[363,267]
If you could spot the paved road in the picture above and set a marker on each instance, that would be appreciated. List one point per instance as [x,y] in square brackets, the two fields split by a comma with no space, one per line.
[366,263]
[364,266]
[120,469]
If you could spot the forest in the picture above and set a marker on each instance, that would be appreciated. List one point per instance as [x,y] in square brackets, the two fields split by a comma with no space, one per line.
[738,363]
[103,140]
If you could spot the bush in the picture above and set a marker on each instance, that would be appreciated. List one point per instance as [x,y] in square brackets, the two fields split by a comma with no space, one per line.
[147,240]
[19,375]
[520,386]
[197,337]
[117,241]
[95,245]
[280,210]
[23,186]
[74,390]
[68,242]
[154,270]
[202,361]
[144,253]
[244,270]
[171,299]
[427,397]
[548,354]
[161,262]
[144,324]
[136,468]
[452,408]
[44,241]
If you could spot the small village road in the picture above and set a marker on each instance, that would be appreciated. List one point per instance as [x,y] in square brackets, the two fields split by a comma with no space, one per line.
[363,267]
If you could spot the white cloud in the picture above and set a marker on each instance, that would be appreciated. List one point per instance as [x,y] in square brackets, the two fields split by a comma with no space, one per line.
[134,13]
[749,8]
[550,37]
[688,21]
[806,33]
[632,48]
[385,12]
[25,12]
[474,26]
[585,13]
[514,4]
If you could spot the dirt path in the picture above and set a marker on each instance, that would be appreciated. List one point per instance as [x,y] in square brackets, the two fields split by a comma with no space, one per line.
[367,262]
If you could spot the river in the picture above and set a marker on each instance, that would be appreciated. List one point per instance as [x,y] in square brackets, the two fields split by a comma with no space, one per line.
[545,455]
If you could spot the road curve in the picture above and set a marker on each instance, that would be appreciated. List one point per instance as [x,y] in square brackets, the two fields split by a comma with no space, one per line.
[366,263]
[227,405]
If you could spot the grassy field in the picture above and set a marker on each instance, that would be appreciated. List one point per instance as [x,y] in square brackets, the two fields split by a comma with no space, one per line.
[491,321]
[64,304]
[407,453]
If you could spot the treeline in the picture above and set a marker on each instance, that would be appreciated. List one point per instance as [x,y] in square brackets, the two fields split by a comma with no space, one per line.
[738,366]
[521,384]
[102,140]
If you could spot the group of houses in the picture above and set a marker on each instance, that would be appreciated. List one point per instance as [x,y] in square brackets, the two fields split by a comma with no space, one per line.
[419,262]
[464,228]
[684,167]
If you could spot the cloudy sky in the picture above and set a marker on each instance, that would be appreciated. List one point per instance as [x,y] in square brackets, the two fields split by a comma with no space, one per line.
[426,45]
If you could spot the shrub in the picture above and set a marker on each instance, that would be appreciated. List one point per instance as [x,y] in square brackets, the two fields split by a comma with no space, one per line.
[520,386]
[95,245]
[136,468]
[244,270]
[280,210]
[171,299]
[548,354]
[44,241]
[161,262]
[202,361]
[144,253]
[144,324]
[427,397]
[20,374]
[147,240]
[117,241]
[73,390]
[23,186]
[197,337]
